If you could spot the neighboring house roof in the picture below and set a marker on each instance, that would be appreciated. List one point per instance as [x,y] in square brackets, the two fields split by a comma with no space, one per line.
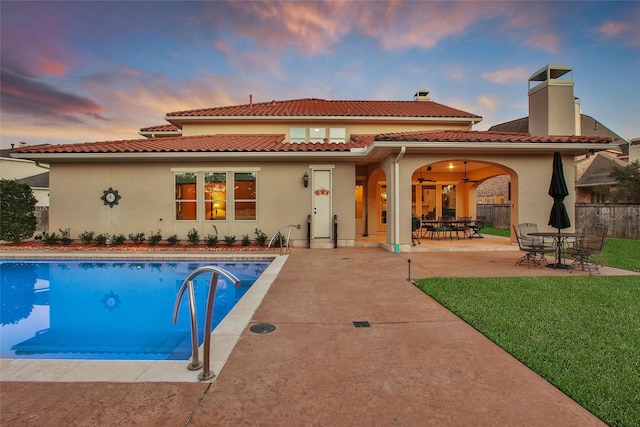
[36,181]
[599,170]
[276,143]
[589,126]
[317,108]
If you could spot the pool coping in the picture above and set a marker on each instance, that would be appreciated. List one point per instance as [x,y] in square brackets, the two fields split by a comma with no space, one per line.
[223,338]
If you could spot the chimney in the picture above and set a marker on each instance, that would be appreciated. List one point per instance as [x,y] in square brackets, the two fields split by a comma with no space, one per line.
[250,101]
[422,95]
[552,106]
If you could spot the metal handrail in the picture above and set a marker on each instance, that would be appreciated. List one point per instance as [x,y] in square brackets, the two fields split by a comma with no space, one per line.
[195,364]
[291,226]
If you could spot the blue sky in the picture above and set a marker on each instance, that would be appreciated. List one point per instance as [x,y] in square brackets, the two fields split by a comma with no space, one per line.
[82,71]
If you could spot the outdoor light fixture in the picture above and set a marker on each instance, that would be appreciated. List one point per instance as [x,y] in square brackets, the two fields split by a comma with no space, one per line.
[305,180]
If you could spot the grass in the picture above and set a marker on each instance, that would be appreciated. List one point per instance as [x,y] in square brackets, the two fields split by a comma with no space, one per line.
[581,333]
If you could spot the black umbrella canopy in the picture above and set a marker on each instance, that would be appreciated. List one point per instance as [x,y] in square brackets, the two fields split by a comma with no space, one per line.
[559,217]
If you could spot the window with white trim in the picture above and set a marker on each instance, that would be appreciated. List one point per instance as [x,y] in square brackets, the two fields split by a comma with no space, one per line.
[244,196]
[317,135]
[186,203]
[297,135]
[215,196]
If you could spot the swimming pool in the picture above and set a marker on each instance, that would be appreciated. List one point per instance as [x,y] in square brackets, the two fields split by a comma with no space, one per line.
[108,310]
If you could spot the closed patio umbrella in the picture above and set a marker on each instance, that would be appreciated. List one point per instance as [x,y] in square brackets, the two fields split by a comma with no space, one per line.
[559,217]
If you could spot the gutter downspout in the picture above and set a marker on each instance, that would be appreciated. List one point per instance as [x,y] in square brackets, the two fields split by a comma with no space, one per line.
[396,192]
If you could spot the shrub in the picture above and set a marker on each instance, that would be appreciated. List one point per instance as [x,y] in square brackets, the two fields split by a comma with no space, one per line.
[65,236]
[246,240]
[173,240]
[211,240]
[51,238]
[261,237]
[229,240]
[86,237]
[155,238]
[118,239]
[17,211]
[193,236]
[278,240]
[137,238]
[101,239]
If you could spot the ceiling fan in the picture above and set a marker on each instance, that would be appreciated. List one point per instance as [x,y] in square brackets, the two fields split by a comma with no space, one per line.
[465,179]
[421,179]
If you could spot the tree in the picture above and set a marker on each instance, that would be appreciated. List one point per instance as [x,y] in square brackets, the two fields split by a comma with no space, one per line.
[628,178]
[17,211]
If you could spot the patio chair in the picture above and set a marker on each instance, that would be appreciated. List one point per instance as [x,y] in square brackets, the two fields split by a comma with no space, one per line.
[476,226]
[442,227]
[544,246]
[586,248]
[461,225]
[532,253]
[416,225]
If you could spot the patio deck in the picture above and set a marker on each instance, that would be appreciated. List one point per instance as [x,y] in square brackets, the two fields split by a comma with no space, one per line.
[417,365]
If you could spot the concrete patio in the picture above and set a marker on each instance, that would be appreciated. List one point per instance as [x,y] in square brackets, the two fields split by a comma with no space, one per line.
[416,365]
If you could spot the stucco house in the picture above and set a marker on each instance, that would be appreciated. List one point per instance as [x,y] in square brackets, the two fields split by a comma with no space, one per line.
[341,169]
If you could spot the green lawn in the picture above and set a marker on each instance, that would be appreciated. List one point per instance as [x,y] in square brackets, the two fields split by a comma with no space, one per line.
[581,333]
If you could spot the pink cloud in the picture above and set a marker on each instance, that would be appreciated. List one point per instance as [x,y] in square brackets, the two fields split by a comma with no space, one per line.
[628,30]
[223,47]
[508,75]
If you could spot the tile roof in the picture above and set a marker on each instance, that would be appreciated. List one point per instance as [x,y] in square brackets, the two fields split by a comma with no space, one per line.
[598,171]
[161,128]
[485,136]
[313,107]
[276,142]
[186,144]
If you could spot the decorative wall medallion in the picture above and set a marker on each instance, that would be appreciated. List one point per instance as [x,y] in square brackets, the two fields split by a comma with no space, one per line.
[321,192]
[110,197]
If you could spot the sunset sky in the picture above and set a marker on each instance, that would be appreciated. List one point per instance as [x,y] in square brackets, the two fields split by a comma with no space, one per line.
[82,71]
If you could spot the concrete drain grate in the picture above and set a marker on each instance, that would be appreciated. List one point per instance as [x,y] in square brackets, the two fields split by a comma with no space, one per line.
[361,324]
[262,328]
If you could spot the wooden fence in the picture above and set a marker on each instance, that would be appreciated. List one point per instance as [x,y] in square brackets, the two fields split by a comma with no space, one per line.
[623,220]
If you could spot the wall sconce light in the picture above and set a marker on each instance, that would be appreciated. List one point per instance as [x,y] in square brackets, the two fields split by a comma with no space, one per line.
[305,180]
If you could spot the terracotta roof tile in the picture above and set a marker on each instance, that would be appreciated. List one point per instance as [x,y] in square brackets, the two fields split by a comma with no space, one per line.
[203,143]
[484,136]
[330,108]
[161,128]
[276,142]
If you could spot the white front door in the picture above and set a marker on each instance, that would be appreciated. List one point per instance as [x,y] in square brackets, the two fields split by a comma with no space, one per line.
[321,220]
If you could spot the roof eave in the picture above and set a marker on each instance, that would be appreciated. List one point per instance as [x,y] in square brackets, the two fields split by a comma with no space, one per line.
[178,120]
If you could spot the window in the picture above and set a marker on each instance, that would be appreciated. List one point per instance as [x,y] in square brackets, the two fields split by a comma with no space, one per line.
[244,195]
[208,195]
[297,135]
[317,134]
[185,196]
[215,196]
[359,206]
[337,135]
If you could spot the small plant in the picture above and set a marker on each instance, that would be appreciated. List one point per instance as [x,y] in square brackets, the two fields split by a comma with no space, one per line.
[51,238]
[229,240]
[193,236]
[86,237]
[246,240]
[101,239]
[118,239]
[65,236]
[211,240]
[261,237]
[278,240]
[173,240]
[155,238]
[137,238]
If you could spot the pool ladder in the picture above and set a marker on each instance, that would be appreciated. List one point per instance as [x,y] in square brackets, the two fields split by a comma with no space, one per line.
[278,235]
[187,285]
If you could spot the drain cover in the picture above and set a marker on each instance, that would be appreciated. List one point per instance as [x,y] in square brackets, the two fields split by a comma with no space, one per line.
[262,328]
[361,324]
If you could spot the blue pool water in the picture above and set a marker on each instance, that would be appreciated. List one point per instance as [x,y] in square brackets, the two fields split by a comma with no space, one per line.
[90,309]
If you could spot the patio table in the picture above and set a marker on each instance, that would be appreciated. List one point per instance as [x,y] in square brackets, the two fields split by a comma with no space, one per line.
[558,239]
